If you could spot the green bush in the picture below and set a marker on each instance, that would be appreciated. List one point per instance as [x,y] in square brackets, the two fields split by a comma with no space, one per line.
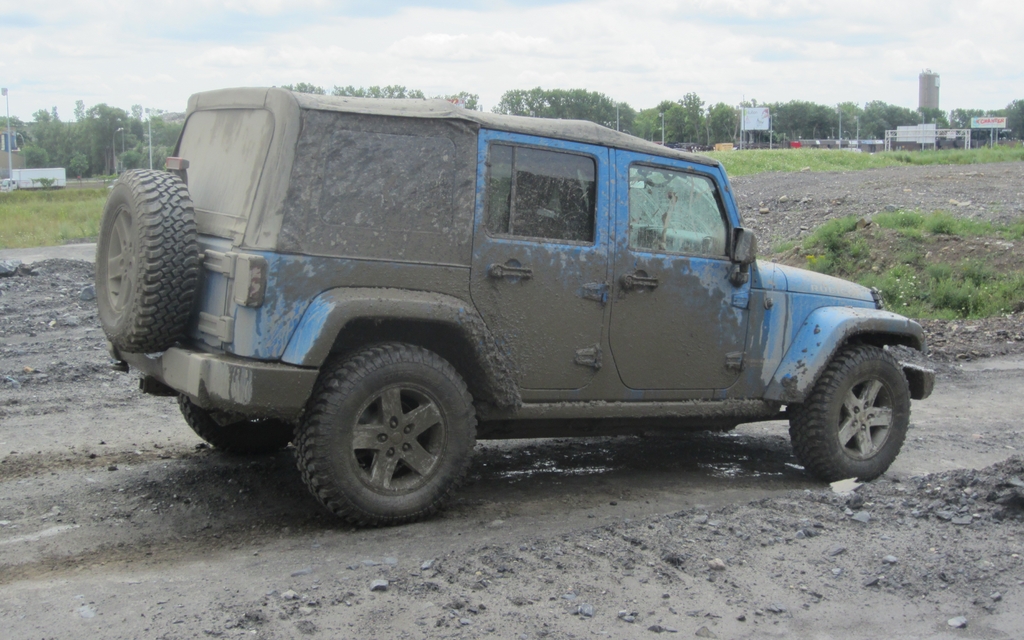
[941,223]
[977,272]
[831,249]
[899,220]
[939,271]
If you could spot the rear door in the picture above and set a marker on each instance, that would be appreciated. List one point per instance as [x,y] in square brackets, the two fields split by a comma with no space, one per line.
[540,255]
[677,320]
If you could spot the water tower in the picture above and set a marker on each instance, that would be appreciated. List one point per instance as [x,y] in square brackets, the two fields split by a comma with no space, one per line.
[928,90]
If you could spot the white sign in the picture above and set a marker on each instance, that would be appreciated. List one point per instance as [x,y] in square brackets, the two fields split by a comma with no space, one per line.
[756,119]
[988,122]
[919,133]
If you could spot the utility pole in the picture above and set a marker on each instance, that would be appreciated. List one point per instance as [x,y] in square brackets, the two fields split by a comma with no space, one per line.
[839,108]
[149,123]
[10,166]
[662,114]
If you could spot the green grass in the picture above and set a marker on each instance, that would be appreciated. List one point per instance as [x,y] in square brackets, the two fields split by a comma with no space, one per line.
[914,287]
[45,218]
[741,163]
[961,291]
[914,224]
[834,249]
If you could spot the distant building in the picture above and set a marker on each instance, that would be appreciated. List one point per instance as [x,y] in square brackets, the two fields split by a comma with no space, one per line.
[928,90]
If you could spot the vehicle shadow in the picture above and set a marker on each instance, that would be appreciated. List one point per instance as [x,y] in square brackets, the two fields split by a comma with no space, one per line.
[247,491]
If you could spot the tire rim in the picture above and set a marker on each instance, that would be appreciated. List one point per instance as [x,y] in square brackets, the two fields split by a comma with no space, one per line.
[399,439]
[120,261]
[865,419]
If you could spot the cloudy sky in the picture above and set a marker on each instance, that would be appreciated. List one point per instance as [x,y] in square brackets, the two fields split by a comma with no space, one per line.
[158,53]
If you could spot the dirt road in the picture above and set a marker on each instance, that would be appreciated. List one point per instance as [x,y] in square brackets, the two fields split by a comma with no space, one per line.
[117,522]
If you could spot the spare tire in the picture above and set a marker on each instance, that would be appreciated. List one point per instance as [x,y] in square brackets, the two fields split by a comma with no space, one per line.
[147,261]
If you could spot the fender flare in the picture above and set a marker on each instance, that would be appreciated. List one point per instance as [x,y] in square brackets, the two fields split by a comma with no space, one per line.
[823,333]
[330,312]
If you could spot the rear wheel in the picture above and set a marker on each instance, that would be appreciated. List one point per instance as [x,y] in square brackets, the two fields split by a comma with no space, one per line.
[387,436]
[233,433]
[855,420]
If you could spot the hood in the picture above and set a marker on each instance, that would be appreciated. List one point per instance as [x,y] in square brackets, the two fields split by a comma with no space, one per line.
[785,278]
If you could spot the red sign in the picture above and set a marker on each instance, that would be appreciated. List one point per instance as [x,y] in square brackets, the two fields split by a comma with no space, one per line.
[988,122]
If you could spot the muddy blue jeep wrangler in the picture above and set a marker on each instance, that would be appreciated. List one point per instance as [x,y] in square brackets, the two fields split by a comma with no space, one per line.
[382,282]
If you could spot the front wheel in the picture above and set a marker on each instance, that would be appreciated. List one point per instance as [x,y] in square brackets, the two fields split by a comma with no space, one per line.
[387,436]
[855,419]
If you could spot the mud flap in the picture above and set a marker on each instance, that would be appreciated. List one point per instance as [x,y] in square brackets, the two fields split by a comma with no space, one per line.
[920,379]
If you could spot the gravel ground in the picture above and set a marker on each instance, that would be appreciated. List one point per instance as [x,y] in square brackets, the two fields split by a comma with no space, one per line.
[117,522]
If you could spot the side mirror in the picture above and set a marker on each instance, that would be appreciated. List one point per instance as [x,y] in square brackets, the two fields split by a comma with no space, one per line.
[744,252]
[744,246]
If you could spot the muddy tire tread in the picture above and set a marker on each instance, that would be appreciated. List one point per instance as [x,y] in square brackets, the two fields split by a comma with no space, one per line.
[249,437]
[168,263]
[808,423]
[338,379]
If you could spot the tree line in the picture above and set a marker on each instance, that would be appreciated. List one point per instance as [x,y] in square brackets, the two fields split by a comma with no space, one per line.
[103,140]
[100,140]
[690,120]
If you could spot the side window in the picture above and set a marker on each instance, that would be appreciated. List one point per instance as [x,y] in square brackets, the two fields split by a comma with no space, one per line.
[540,194]
[674,212]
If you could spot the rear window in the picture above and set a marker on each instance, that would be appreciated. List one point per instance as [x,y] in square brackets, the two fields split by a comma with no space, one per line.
[226,150]
[537,193]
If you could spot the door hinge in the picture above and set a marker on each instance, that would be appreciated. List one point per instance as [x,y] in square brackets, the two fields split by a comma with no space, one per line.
[220,327]
[734,360]
[597,291]
[741,299]
[220,262]
[589,357]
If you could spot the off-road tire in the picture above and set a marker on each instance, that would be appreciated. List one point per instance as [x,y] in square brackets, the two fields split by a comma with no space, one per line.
[147,261]
[233,435]
[373,418]
[837,399]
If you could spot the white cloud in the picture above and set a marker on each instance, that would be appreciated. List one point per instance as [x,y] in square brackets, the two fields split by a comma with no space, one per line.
[642,53]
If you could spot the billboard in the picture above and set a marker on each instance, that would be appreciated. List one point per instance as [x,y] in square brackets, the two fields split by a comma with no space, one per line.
[756,119]
[988,122]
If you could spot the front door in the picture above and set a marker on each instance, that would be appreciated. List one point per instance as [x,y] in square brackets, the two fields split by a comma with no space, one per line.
[677,321]
[540,255]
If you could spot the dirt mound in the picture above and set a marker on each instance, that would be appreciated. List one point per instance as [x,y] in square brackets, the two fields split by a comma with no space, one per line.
[785,206]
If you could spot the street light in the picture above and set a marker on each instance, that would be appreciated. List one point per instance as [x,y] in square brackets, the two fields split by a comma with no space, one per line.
[121,131]
[149,124]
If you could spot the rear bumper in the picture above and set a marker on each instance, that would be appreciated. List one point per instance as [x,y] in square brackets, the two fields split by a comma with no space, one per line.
[229,383]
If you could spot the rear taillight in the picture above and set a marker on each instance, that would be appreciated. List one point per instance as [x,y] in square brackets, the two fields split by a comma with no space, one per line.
[250,280]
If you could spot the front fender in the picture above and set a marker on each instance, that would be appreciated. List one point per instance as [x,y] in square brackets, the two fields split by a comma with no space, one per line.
[329,313]
[823,333]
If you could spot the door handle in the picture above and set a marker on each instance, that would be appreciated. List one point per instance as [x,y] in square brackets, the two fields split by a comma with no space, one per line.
[638,280]
[511,270]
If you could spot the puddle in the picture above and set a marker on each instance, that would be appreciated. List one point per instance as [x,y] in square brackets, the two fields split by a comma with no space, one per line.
[521,474]
[714,455]
[735,470]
